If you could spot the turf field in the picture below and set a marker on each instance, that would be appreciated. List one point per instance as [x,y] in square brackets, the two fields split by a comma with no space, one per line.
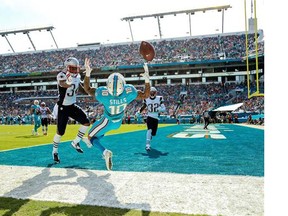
[223,150]
[173,150]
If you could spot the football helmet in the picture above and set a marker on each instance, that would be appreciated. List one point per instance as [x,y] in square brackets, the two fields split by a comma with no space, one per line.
[72,65]
[153,92]
[115,84]
[43,104]
[36,102]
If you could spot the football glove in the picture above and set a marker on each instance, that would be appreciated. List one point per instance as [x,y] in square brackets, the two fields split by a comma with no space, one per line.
[68,78]
[87,67]
[145,75]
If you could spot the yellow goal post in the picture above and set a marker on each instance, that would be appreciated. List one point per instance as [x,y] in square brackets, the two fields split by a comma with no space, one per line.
[257,93]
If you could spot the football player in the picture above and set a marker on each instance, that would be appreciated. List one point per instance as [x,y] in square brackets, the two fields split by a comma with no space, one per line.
[115,97]
[35,110]
[68,82]
[154,105]
[44,111]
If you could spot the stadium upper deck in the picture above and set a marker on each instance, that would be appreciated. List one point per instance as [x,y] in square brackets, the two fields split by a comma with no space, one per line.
[197,59]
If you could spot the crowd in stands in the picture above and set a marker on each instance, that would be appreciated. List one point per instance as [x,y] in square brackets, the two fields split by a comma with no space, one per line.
[173,50]
[198,98]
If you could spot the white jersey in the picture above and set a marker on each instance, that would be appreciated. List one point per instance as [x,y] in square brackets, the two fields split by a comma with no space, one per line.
[154,106]
[67,96]
[44,112]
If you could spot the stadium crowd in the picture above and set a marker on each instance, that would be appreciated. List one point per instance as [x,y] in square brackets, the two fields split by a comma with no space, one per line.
[174,50]
[15,108]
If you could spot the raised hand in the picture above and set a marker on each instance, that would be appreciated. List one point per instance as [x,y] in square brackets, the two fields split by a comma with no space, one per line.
[87,67]
[68,78]
[145,75]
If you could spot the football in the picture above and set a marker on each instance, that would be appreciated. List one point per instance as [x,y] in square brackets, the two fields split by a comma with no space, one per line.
[147,51]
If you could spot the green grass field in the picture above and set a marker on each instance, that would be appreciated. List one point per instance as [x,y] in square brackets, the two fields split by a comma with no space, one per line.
[18,136]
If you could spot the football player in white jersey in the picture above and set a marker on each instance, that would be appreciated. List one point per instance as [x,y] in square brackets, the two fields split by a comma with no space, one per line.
[115,97]
[44,112]
[68,83]
[154,105]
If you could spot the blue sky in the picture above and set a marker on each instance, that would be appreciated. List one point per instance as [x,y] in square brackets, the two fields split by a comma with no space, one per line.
[89,21]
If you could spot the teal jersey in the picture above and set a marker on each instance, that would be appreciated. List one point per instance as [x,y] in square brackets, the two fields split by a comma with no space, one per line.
[36,109]
[114,106]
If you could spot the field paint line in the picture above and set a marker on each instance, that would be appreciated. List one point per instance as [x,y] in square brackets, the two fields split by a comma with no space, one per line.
[182,193]
[43,144]
[62,141]
[260,127]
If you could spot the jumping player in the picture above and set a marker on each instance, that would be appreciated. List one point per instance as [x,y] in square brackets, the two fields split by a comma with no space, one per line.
[154,105]
[115,96]
[68,83]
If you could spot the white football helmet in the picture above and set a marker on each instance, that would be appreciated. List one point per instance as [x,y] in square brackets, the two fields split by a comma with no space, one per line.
[72,65]
[153,92]
[115,84]
[36,102]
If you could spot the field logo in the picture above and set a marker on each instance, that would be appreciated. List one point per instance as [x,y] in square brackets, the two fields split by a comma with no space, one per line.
[197,131]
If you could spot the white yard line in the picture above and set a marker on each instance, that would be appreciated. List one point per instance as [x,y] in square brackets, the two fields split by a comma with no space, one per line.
[251,126]
[150,191]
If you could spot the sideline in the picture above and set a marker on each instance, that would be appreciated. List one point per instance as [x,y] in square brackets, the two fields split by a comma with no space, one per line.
[181,193]
[252,126]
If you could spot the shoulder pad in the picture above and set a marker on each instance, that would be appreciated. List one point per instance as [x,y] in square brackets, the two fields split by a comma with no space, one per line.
[61,76]
[105,93]
[128,89]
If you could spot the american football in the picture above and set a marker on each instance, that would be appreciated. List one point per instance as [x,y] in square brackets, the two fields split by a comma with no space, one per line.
[147,51]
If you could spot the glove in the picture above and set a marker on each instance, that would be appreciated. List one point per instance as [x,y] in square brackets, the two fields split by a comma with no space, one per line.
[145,75]
[68,78]
[162,108]
[87,67]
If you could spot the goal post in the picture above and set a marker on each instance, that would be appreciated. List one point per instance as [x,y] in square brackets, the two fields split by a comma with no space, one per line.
[257,93]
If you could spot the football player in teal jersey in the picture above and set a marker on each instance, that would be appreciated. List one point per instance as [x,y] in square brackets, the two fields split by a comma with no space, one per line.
[35,110]
[115,97]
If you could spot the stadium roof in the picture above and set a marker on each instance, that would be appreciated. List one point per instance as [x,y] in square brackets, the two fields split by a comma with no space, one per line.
[27,31]
[188,12]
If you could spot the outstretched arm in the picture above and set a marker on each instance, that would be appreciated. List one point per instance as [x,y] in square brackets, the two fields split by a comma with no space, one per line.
[88,89]
[162,107]
[143,95]
[142,108]
[49,111]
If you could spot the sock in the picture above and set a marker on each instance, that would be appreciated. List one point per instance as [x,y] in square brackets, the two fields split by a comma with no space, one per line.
[81,132]
[56,141]
[96,142]
[148,136]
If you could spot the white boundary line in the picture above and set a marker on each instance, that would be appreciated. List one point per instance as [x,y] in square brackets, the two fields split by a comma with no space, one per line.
[150,191]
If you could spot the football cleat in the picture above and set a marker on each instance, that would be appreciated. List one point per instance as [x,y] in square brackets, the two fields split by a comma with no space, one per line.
[77,147]
[107,155]
[148,148]
[56,158]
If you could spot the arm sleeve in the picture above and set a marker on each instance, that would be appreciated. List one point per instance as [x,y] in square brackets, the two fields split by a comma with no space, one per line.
[162,107]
